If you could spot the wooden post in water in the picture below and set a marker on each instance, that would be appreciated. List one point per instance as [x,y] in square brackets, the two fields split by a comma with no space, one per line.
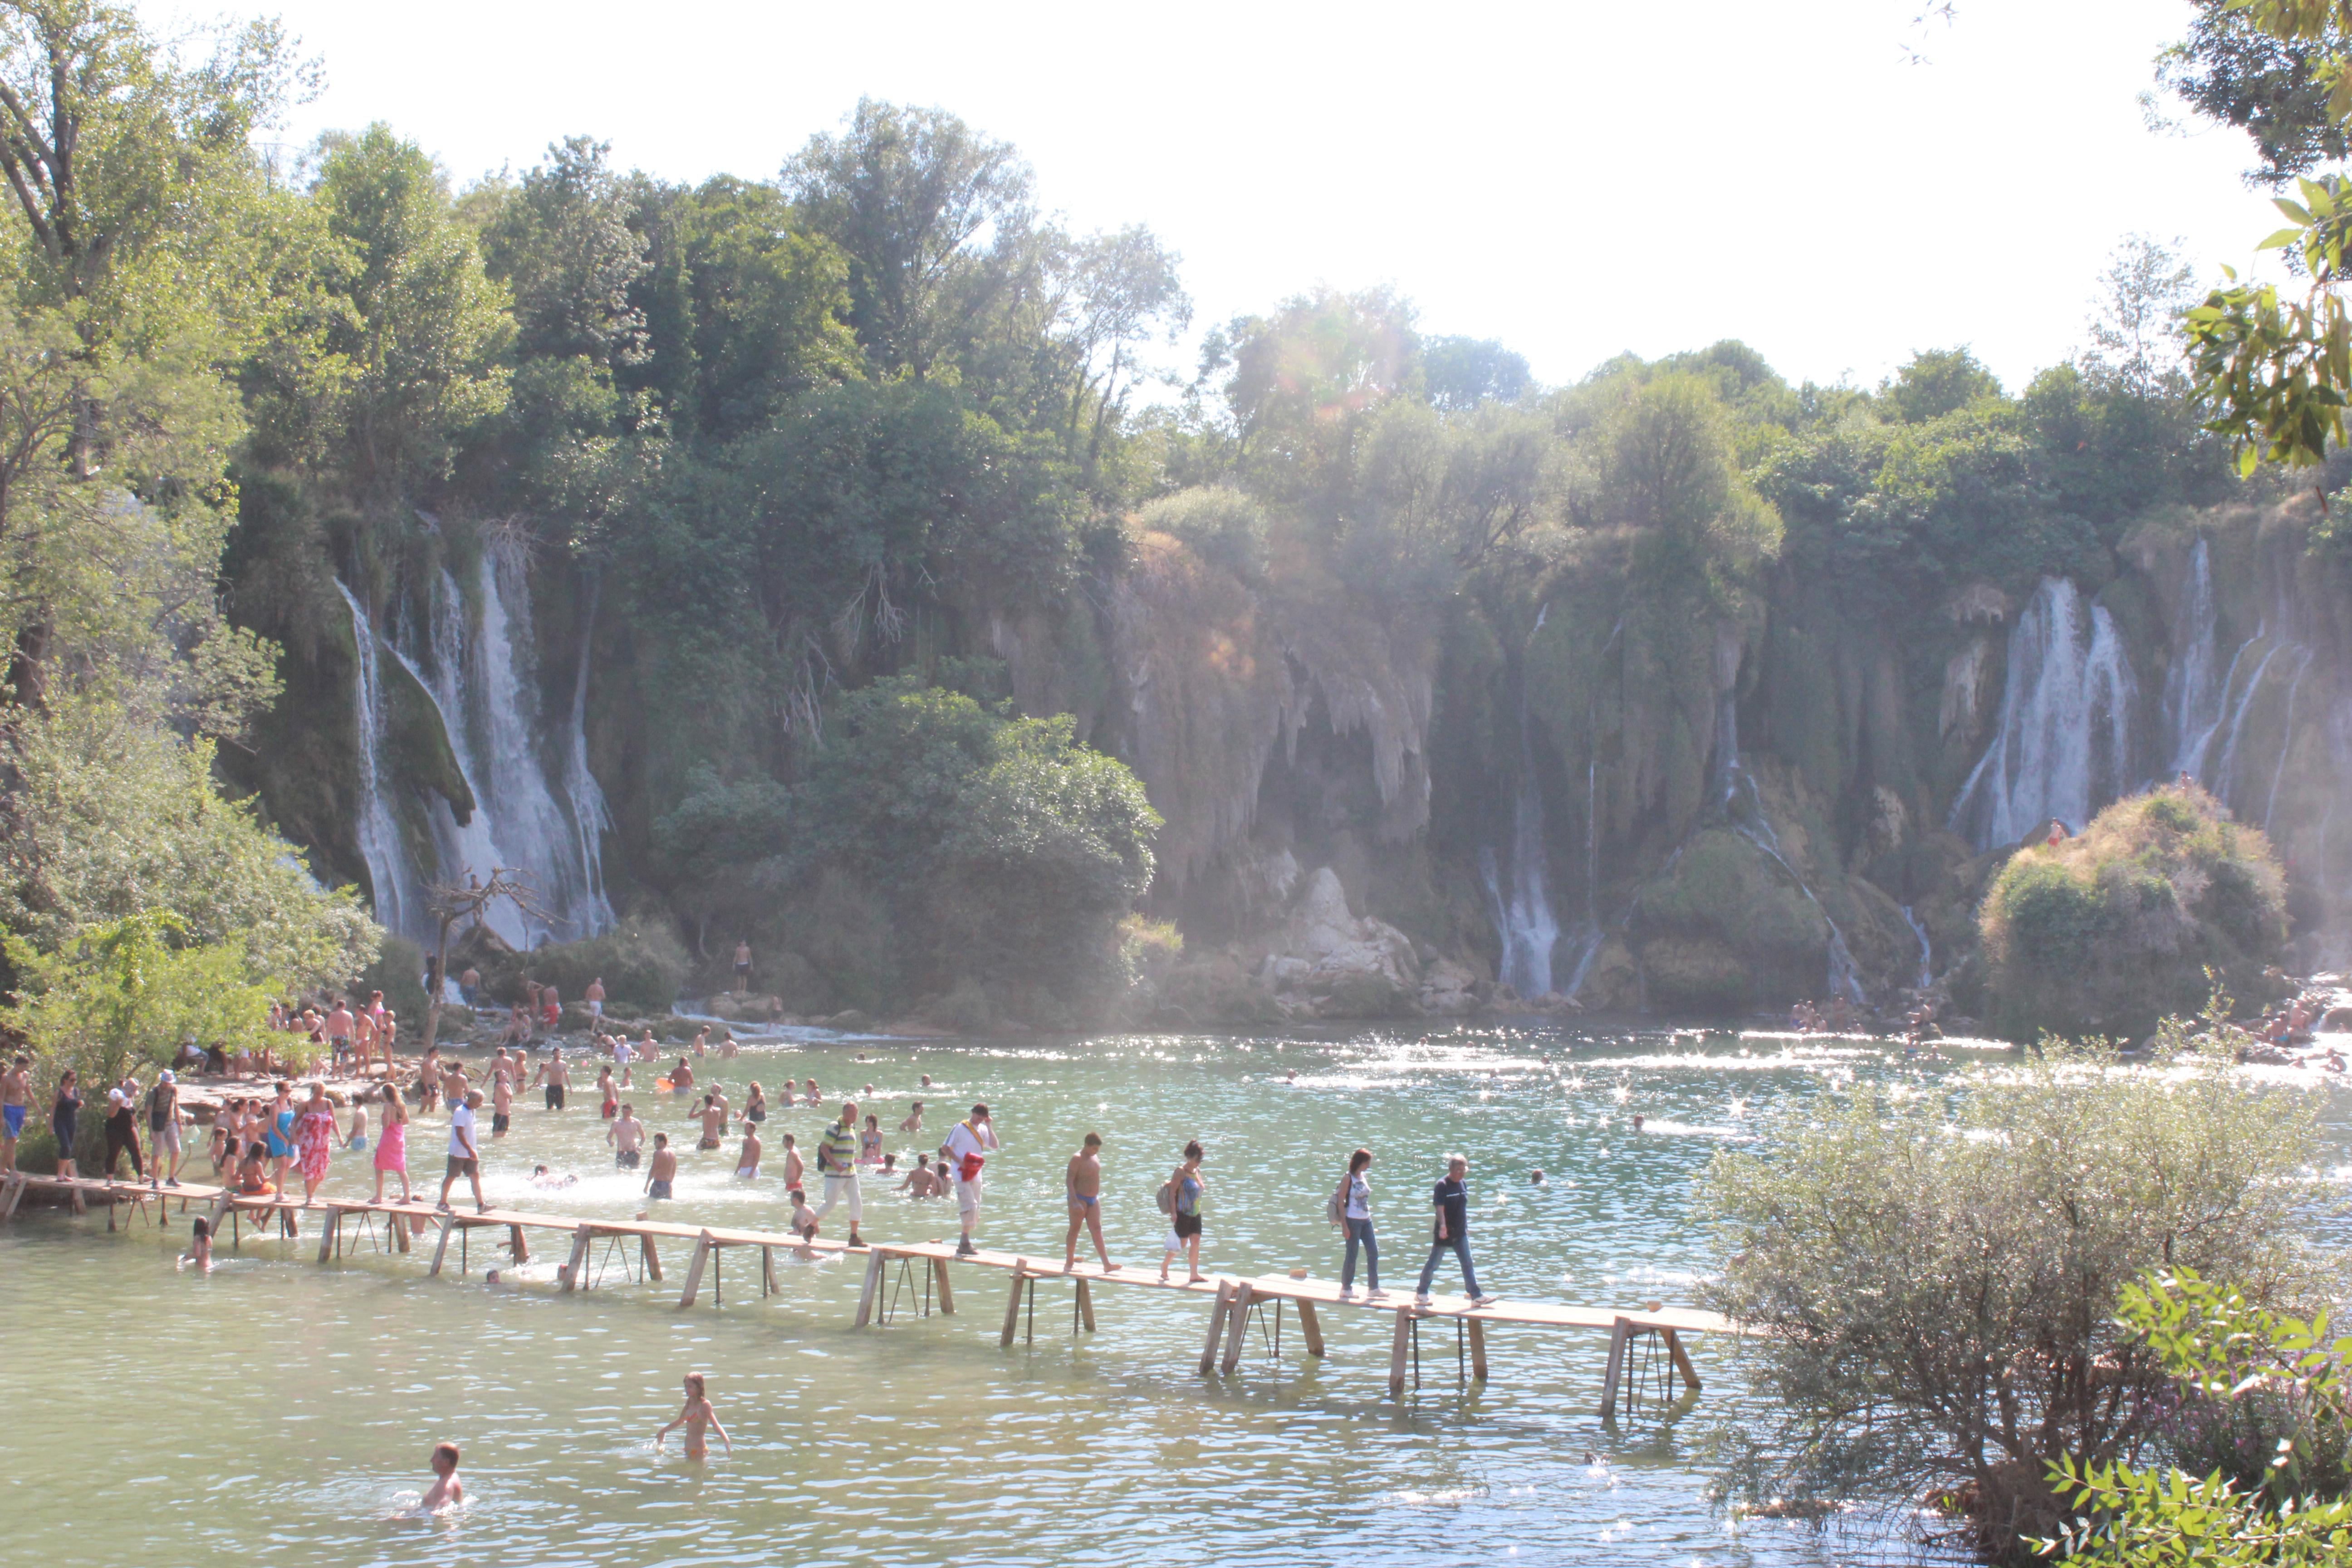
[873,1288]
[694,1270]
[1477,1349]
[651,1255]
[1398,1349]
[518,1250]
[1312,1327]
[768,1286]
[575,1277]
[1216,1324]
[1012,1307]
[330,1231]
[441,1247]
[1620,1335]
[947,1291]
[1087,1306]
[1237,1328]
[1681,1358]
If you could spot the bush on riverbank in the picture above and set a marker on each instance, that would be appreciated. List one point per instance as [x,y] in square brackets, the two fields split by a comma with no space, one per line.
[2109,930]
[641,960]
[1936,1288]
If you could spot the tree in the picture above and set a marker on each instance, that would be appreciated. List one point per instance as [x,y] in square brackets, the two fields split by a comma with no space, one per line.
[2239,68]
[422,327]
[133,992]
[1300,385]
[930,213]
[1460,373]
[1121,291]
[1934,1280]
[2136,338]
[1934,383]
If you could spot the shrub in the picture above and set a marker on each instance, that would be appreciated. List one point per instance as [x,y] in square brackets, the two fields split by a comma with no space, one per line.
[2113,928]
[640,960]
[1935,1289]
[1221,524]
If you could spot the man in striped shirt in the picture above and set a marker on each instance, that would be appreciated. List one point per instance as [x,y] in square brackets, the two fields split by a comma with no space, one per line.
[836,1161]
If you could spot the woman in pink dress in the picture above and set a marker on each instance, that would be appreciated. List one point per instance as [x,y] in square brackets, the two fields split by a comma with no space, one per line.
[392,1145]
[314,1139]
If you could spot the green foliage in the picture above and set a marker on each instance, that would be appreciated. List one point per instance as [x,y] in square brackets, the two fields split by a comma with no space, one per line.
[2271,1387]
[1937,381]
[640,960]
[1460,373]
[1664,468]
[2108,930]
[1220,523]
[1006,850]
[1934,1279]
[112,819]
[2235,68]
[130,991]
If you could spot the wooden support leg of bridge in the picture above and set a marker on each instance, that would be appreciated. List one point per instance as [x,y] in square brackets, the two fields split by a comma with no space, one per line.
[702,1250]
[652,1256]
[768,1286]
[330,1231]
[518,1250]
[1012,1306]
[1087,1306]
[1398,1350]
[575,1275]
[441,1247]
[1620,1337]
[1237,1328]
[403,1226]
[1312,1327]
[947,1291]
[1216,1324]
[873,1288]
[1477,1349]
[1681,1358]
[12,1194]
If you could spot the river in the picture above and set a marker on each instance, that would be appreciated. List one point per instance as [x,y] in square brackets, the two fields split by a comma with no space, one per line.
[280,1412]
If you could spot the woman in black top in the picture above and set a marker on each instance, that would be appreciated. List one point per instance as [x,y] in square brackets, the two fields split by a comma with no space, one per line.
[65,1121]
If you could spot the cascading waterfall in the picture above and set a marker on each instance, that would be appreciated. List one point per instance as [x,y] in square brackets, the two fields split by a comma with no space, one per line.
[2192,698]
[590,817]
[1926,951]
[1522,911]
[399,901]
[2064,747]
[470,847]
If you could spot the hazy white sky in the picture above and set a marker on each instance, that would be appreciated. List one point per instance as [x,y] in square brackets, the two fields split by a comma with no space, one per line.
[1576,179]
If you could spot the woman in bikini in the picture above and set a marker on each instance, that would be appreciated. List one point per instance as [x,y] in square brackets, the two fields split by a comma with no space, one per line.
[869,1142]
[391,1148]
[253,1176]
[755,1106]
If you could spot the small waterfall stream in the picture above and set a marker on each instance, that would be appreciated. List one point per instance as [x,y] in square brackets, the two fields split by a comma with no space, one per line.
[399,900]
[1744,808]
[2064,746]
[1926,950]
[1520,904]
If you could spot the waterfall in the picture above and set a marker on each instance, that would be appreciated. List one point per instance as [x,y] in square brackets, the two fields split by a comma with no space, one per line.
[1522,913]
[2222,781]
[1927,953]
[590,817]
[471,847]
[399,901]
[2287,739]
[2063,748]
[2192,698]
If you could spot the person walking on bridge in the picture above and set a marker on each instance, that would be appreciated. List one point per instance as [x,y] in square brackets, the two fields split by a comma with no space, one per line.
[836,1161]
[1451,1199]
[1351,1205]
[969,1144]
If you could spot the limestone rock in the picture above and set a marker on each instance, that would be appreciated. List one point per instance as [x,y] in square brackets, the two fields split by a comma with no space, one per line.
[750,1008]
[1448,989]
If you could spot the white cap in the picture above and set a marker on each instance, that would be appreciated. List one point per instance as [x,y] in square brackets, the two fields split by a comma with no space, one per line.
[165,1076]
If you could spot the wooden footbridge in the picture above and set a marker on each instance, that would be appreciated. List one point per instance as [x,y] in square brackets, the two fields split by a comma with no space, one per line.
[1645,1346]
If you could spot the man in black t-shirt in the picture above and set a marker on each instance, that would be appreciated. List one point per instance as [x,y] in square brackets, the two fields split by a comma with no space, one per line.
[1451,1198]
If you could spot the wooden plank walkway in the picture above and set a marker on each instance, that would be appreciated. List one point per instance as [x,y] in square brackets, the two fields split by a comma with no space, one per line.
[925,1269]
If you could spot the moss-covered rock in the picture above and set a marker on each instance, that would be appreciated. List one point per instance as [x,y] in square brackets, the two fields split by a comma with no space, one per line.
[2108,931]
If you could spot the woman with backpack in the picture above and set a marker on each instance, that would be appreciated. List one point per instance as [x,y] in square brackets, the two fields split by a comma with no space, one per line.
[1179,1200]
[1350,1209]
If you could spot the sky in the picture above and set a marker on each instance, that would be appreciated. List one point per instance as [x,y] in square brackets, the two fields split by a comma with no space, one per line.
[1833,182]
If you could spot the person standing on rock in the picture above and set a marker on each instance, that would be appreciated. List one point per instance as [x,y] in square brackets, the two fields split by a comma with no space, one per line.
[340,1026]
[595,994]
[969,1144]
[743,967]
[1450,1199]
[469,985]
[836,1161]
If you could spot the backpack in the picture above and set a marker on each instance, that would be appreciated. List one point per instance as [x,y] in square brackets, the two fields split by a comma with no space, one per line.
[1166,1198]
[1335,1207]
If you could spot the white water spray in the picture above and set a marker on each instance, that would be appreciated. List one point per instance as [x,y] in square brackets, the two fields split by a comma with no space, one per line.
[399,901]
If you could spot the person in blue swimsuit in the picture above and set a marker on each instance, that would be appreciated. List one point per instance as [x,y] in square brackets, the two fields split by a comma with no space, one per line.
[278,1130]
[1082,1184]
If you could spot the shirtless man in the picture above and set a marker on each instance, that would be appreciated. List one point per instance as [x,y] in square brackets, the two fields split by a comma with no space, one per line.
[919,1182]
[626,1135]
[501,1102]
[661,1171]
[559,1081]
[339,1027]
[1082,1183]
[595,994]
[713,1117]
[446,1492]
[747,1163]
[681,1078]
[793,1167]
[428,1079]
[743,967]
[15,1093]
[697,1416]
[702,1041]
[364,1043]
[914,1123]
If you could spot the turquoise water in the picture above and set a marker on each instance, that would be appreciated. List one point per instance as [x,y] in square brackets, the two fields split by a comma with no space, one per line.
[281,1411]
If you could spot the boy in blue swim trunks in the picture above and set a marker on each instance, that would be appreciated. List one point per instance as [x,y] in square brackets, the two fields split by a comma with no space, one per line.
[1082,1183]
[15,1091]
